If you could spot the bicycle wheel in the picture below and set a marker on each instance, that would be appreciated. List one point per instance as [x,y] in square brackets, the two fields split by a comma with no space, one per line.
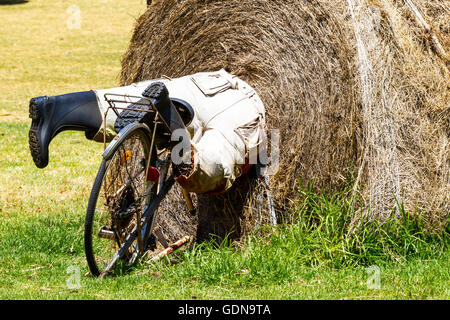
[119,197]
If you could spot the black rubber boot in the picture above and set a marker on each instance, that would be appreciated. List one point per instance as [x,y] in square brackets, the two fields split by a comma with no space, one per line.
[130,116]
[52,115]
[159,95]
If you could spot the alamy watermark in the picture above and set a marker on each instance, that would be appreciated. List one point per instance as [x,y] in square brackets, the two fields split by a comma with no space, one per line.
[74,280]
[74,19]
[374,279]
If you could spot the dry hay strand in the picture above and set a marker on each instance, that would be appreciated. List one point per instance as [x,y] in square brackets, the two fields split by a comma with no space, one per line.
[174,220]
[241,211]
[404,90]
[352,86]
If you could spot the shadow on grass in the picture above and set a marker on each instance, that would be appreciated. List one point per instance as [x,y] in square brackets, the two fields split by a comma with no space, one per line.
[5,2]
[121,268]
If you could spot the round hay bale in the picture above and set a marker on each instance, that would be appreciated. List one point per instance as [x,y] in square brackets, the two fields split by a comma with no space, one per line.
[353,87]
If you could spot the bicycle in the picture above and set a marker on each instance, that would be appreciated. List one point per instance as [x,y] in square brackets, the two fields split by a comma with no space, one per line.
[134,177]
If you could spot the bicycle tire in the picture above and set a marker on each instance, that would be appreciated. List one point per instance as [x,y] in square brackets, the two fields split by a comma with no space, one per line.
[93,246]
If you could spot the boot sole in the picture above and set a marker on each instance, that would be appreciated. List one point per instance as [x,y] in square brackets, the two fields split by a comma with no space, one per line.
[35,115]
[153,91]
[131,116]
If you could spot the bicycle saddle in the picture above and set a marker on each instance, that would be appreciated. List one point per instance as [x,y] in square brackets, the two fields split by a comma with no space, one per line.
[184,109]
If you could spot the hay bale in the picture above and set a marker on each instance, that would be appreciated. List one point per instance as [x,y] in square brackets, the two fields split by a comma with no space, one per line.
[354,87]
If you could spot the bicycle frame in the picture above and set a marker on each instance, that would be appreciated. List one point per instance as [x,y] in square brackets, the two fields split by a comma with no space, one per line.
[149,199]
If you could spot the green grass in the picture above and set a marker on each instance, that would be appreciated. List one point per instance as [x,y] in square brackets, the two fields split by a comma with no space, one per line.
[312,258]
[317,256]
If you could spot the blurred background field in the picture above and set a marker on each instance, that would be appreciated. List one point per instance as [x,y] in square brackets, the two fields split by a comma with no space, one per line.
[43,54]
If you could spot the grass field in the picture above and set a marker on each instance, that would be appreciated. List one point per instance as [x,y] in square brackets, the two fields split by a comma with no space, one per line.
[42,211]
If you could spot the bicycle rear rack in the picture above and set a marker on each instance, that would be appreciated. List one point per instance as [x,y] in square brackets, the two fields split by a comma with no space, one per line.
[122,102]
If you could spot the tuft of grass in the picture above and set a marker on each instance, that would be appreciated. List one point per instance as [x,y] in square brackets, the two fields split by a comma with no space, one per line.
[316,256]
[321,237]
